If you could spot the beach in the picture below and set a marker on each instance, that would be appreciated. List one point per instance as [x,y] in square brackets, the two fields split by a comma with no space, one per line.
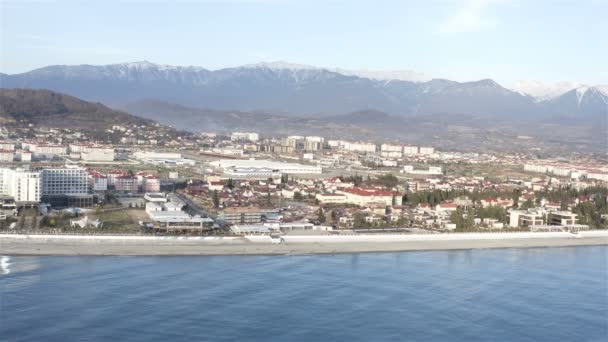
[15,244]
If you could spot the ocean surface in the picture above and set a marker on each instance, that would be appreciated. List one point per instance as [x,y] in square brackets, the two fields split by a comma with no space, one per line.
[541,294]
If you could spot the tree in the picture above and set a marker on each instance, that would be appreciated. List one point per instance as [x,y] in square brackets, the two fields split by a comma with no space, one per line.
[321,215]
[216,199]
[515,198]
[230,184]
[528,204]
[388,180]
[298,196]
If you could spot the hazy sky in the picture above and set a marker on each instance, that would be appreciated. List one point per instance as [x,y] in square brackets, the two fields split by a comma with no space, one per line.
[507,40]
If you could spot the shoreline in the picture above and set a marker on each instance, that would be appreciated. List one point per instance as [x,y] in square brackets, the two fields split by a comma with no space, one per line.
[80,245]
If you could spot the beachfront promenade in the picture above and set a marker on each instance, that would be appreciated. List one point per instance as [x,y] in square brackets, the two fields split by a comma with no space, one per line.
[32,244]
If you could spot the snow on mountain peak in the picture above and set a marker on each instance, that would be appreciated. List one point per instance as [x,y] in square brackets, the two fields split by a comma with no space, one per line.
[544,91]
[385,75]
[280,65]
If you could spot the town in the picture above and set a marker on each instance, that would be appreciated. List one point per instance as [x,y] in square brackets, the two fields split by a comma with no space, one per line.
[149,179]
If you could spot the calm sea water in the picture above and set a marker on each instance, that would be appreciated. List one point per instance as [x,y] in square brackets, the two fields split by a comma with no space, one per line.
[545,294]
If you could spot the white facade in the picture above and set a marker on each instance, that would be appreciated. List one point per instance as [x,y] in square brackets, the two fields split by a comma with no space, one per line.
[235,152]
[97,154]
[23,156]
[410,150]
[391,148]
[432,170]
[23,186]
[391,154]
[244,136]
[7,155]
[359,147]
[48,151]
[265,166]
[426,150]
[598,176]
[7,145]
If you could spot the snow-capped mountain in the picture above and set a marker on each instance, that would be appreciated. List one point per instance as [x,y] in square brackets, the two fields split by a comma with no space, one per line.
[545,91]
[582,101]
[289,88]
[385,75]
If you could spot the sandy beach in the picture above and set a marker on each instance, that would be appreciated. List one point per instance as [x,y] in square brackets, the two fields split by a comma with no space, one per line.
[11,244]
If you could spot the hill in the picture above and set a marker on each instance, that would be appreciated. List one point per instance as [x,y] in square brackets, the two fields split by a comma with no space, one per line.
[45,107]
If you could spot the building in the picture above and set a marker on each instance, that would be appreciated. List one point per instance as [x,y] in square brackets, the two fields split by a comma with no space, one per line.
[7,155]
[331,198]
[426,150]
[24,186]
[262,168]
[562,218]
[244,136]
[366,196]
[63,187]
[46,151]
[23,156]
[126,183]
[179,222]
[241,215]
[391,154]
[97,154]
[521,218]
[97,181]
[410,150]
[7,145]
[359,147]
[432,170]
[231,152]
[151,184]
[391,148]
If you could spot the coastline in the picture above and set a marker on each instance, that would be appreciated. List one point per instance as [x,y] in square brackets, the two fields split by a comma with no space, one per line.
[14,244]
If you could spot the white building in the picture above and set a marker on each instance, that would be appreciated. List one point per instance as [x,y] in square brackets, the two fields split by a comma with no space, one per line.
[23,186]
[7,155]
[426,150]
[233,152]
[359,147]
[432,170]
[252,166]
[364,196]
[7,145]
[391,154]
[97,154]
[410,150]
[391,148]
[44,151]
[23,156]
[244,136]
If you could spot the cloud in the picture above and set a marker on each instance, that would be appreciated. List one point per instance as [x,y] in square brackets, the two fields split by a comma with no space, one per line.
[469,16]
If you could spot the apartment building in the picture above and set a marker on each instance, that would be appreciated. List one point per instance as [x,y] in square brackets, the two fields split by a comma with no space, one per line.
[239,215]
[24,186]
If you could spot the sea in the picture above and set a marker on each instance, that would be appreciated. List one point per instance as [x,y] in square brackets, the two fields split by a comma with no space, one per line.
[531,294]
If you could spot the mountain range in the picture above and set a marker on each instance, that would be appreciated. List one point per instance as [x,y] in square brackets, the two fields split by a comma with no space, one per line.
[297,90]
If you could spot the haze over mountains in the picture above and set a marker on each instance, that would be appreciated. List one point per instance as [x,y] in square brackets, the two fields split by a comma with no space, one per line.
[292,89]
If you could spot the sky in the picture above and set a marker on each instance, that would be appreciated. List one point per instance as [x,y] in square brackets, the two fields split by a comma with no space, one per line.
[506,40]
